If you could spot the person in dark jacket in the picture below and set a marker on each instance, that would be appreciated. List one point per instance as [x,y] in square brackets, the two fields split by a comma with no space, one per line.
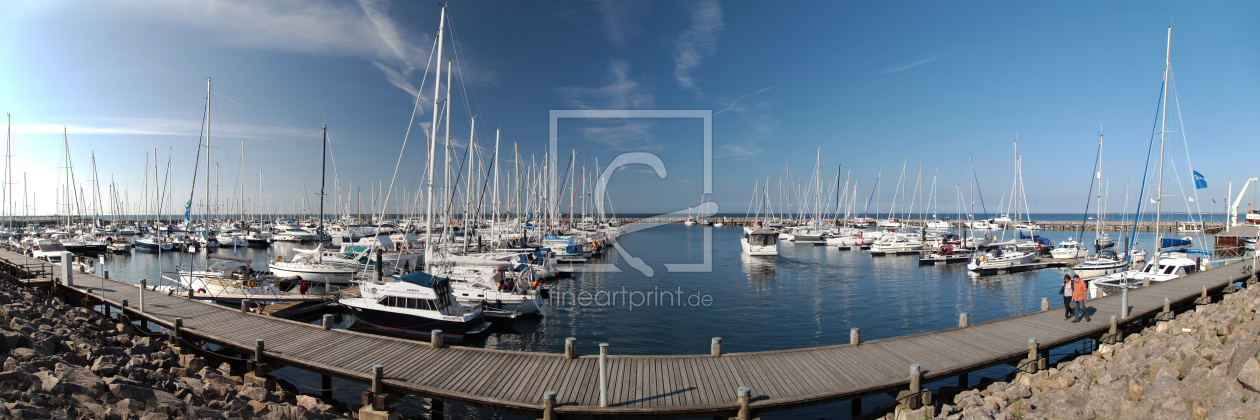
[1066,291]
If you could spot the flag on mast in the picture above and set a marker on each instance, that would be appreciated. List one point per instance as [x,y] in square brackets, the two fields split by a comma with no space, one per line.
[1199,182]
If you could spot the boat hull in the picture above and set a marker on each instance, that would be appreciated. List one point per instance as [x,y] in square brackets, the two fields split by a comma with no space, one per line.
[392,323]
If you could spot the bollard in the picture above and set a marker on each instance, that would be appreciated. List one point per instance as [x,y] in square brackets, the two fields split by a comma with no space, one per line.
[1032,355]
[963,320]
[855,336]
[179,325]
[328,322]
[1114,325]
[743,396]
[715,347]
[190,294]
[549,405]
[570,348]
[603,374]
[915,376]
[258,357]
[106,275]
[1045,304]
[1124,303]
[244,306]
[1203,294]
[143,286]
[435,339]
[1146,282]
[378,378]
[1167,305]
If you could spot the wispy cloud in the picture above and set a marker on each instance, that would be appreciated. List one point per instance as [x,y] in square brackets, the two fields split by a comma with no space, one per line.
[621,19]
[697,43]
[735,102]
[163,127]
[909,66]
[621,92]
[760,127]
[229,99]
[623,135]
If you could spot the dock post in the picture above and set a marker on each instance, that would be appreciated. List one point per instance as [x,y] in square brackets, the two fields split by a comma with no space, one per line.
[437,409]
[244,306]
[179,325]
[258,358]
[1203,295]
[378,378]
[964,320]
[549,405]
[1124,303]
[325,384]
[715,347]
[328,321]
[1045,304]
[1114,326]
[143,286]
[435,339]
[67,268]
[1146,282]
[124,306]
[962,380]
[570,348]
[1032,365]
[1167,305]
[190,293]
[743,396]
[603,374]
[855,336]
[916,374]
[855,408]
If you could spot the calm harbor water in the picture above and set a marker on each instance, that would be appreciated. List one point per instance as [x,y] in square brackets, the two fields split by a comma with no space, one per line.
[807,296]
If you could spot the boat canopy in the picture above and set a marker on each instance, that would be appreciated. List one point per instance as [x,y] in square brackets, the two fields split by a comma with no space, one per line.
[1174,243]
[418,278]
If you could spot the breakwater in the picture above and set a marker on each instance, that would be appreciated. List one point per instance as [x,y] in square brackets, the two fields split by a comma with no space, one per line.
[1201,364]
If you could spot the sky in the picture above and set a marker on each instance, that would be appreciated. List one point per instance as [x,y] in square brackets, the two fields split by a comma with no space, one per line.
[857,87]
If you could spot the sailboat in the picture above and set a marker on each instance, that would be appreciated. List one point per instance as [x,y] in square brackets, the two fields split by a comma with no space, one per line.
[1104,261]
[1165,266]
[757,240]
[1014,253]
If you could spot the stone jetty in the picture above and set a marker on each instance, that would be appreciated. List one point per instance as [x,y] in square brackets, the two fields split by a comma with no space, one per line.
[1201,365]
[67,362]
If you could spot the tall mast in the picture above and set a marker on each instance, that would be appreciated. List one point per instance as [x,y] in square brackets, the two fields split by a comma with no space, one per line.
[1098,205]
[206,217]
[494,165]
[1159,196]
[323,164]
[428,240]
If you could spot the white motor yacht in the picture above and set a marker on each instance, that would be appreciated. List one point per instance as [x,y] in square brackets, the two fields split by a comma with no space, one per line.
[307,272]
[999,258]
[1068,249]
[414,305]
[897,244]
[1167,268]
[759,242]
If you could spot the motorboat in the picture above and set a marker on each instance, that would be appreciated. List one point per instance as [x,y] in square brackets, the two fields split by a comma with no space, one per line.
[759,242]
[897,244]
[414,305]
[48,250]
[947,253]
[284,233]
[1068,249]
[997,258]
[308,274]
[513,292]
[153,243]
[119,246]
[1165,268]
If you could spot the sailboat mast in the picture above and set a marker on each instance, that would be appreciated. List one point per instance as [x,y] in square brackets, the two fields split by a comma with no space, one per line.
[1159,196]
[323,172]
[437,81]
[206,217]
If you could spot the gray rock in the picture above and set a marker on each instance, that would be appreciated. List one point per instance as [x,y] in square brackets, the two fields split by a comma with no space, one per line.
[1249,374]
[23,353]
[79,380]
[131,392]
[257,394]
[49,382]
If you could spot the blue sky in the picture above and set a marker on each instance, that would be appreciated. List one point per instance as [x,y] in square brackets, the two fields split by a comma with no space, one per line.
[870,84]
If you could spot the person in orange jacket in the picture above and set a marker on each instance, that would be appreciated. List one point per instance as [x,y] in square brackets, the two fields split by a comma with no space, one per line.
[1078,298]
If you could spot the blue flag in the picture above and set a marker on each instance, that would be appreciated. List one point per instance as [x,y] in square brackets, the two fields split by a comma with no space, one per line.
[1199,182]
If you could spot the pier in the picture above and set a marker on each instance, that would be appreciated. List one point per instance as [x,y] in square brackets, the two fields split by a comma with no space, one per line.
[1057,225]
[645,386]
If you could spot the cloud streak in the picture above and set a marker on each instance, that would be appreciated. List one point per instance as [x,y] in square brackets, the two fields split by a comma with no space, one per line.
[697,43]
[909,66]
[621,19]
[164,127]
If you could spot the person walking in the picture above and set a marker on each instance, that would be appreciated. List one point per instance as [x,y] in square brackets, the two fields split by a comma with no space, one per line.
[1078,299]
[1066,291]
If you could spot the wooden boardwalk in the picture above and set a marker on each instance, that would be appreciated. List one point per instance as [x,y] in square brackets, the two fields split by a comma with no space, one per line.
[646,386]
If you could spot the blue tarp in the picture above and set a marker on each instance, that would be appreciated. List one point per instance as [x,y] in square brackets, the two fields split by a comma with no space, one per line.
[1165,243]
[418,278]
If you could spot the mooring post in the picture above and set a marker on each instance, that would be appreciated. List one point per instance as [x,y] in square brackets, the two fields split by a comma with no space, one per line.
[855,408]
[963,320]
[549,405]
[715,347]
[603,374]
[328,322]
[570,348]
[1167,305]
[855,336]
[258,358]
[1124,303]
[1146,282]
[143,286]
[190,293]
[962,380]
[1045,304]
[743,396]
[1203,294]
[244,306]
[378,378]
[437,409]
[1113,325]
[435,339]
[325,384]
[1031,367]
[179,325]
